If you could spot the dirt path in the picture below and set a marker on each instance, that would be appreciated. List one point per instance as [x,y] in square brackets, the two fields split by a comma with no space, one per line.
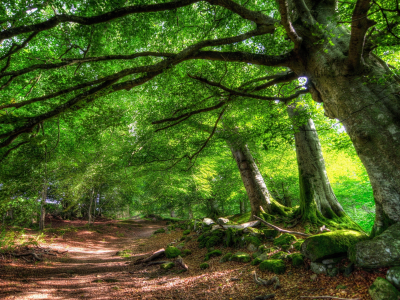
[90,270]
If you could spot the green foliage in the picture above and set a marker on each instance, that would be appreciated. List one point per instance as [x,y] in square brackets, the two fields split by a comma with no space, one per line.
[172,252]
[186,232]
[204,266]
[212,254]
[285,239]
[256,261]
[160,230]
[226,257]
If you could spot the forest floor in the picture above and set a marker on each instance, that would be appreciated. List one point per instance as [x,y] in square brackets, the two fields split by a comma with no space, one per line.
[92,270]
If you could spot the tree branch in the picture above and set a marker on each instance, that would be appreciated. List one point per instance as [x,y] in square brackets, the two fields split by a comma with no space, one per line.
[287,24]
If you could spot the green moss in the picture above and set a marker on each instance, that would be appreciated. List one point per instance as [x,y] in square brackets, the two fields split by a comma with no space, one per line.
[270,233]
[188,239]
[331,244]
[256,262]
[279,255]
[233,238]
[167,266]
[186,252]
[172,252]
[212,254]
[226,257]
[383,289]
[285,239]
[252,240]
[274,265]
[182,238]
[297,259]
[161,230]
[241,218]
[186,232]
[204,266]
[297,245]
[241,257]
[210,239]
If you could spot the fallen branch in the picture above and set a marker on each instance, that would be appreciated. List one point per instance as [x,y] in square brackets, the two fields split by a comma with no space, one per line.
[282,230]
[322,229]
[155,255]
[329,297]
[180,262]
[27,254]
[261,281]
[240,226]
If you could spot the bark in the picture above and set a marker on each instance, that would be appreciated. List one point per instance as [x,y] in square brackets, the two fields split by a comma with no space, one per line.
[315,189]
[42,206]
[372,120]
[90,208]
[172,214]
[242,209]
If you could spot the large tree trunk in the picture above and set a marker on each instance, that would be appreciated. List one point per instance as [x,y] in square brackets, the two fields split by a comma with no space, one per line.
[315,189]
[369,108]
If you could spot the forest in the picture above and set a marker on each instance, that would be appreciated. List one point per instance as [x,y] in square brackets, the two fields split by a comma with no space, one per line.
[264,132]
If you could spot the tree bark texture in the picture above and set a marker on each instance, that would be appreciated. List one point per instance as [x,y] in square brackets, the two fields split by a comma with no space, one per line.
[315,188]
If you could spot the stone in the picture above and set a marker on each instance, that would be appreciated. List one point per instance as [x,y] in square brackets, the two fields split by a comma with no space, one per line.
[222,221]
[297,245]
[274,265]
[212,254]
[381,251]
[208,221]
[256,261]
[393,276]
[382,289]
[332,272]
[279,255]
[349,269]
[241,257]
[180,246]
[285,240]
[167,266]
[313,277]
[226,257]
[263,256]
[251,247]
[318,268]
[270,233]
[297,259]
[330,244]
[331,261]
[172,252]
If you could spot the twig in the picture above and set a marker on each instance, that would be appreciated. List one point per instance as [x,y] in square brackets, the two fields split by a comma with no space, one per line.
[280,229]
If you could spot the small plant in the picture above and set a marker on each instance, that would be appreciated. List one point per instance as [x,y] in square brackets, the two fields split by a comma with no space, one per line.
[204,266]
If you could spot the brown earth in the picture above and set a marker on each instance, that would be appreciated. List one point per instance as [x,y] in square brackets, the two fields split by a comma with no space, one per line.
[92,270]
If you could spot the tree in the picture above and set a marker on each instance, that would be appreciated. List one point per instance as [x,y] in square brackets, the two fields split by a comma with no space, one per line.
[338,49]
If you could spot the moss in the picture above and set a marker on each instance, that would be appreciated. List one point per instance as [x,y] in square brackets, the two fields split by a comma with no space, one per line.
[330,244]
[297,245]
[285,239]
[186,252]
[161,230]
[167,265]
[279,255]
[210,239]
[188,239]
[274,265]
[241,257]
[241,218]
[233,238]
[212,254]
[252,240]
[186,232]
[226,257]
[204,266]
[256,262]
[182,238]
[270,233]
[297,259]
[383,289]
[172,252]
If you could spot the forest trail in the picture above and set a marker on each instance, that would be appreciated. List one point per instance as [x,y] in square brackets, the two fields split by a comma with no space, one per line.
[89,270]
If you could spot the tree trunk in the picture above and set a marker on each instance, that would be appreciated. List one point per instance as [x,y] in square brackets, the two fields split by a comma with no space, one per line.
[369,109]
[242,209]
[90,207]
[42,206]
[315,189]
[214,208]
[172,214]
[190,211]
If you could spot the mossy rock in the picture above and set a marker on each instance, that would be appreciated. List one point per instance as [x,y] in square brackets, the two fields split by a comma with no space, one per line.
[161,230]
[274,265]
[226,257]
[330,244]
[186,252]
[252,231]
[204,266]
[382,289]
[172,252]
[212,254]
[297,259]
[279,255]
[234,238]
[188,239]
[186,232]
[252,240]
[167,266]
[285,239]
[256,261]
[210,239]
[182,238]
[180,246]
[270,233]
[241,257]
[297,245]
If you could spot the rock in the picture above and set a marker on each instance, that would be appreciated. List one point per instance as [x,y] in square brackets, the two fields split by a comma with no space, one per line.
[161,230]
[393,276]
[263,256]
[318,268]
[211,239]
[279,255]
[208,221]
[241,257]
[274,265]
[297,259]
[270,233]
[313,277]
[172,252]
[297,245]
[204,266]
[331,261]
[252,247]
[349,269]
[382,289]
[256,261]
[167,265]
[241,226]
[330,244]
[180,246]
[332,272]
[186,252]
[252,240]
[222,221]
[381,251]
[226,257]
[212,254]
[285,239]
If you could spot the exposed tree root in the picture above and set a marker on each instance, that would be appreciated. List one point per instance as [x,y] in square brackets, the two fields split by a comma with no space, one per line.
[155,255]
[280,229]
[34,255]
[261,281]
[179,261]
